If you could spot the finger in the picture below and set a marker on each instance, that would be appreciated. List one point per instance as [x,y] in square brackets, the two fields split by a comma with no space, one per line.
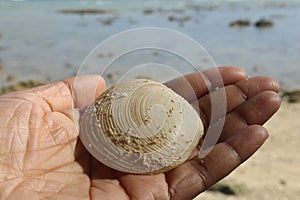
[196,175]
[104,182]
[145,186]
[195,85]
[252,86]
[108,189]
[257,110]
[236,95]
[133,186]
[85,89]
[218,103]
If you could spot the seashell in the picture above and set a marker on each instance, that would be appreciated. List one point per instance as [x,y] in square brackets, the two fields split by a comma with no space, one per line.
[140,126]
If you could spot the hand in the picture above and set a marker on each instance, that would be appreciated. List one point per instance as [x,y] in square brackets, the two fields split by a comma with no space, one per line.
[42,157]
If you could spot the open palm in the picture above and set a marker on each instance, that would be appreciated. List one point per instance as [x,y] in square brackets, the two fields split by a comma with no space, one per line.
[42,157]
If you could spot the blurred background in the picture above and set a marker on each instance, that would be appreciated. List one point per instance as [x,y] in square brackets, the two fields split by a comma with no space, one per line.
[47,40]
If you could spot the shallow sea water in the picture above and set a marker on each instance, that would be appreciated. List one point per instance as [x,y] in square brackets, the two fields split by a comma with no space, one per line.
[40,43]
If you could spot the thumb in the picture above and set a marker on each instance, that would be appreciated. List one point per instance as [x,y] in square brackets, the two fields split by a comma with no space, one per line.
[84,89]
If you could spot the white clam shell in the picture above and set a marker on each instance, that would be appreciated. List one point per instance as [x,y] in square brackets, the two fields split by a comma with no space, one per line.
[140,126]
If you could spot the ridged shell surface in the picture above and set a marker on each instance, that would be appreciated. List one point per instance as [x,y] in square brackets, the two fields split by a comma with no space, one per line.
[140,126]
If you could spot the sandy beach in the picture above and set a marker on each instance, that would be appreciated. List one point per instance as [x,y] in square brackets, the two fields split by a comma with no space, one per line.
[273,172]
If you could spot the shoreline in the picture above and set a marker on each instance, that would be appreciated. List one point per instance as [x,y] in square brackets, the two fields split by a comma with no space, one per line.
[288,96]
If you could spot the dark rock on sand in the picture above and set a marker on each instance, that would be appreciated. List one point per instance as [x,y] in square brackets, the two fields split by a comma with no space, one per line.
[222,188]
[1,65]
[263,23]
[105,55]
[180,19]
[85,11]
[108,21]
[155,53]
[291,96]
[230,189]
[282,182]
[148,11]
[11,78]
[20,86]
[68,65]
[112,77]
[144,77]
[174,18]
[240,23]
[202,7]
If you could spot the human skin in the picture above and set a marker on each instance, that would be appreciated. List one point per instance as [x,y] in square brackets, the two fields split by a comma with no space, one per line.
[42,157]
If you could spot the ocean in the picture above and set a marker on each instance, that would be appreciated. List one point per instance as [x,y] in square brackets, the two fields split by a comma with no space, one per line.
[46,40]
